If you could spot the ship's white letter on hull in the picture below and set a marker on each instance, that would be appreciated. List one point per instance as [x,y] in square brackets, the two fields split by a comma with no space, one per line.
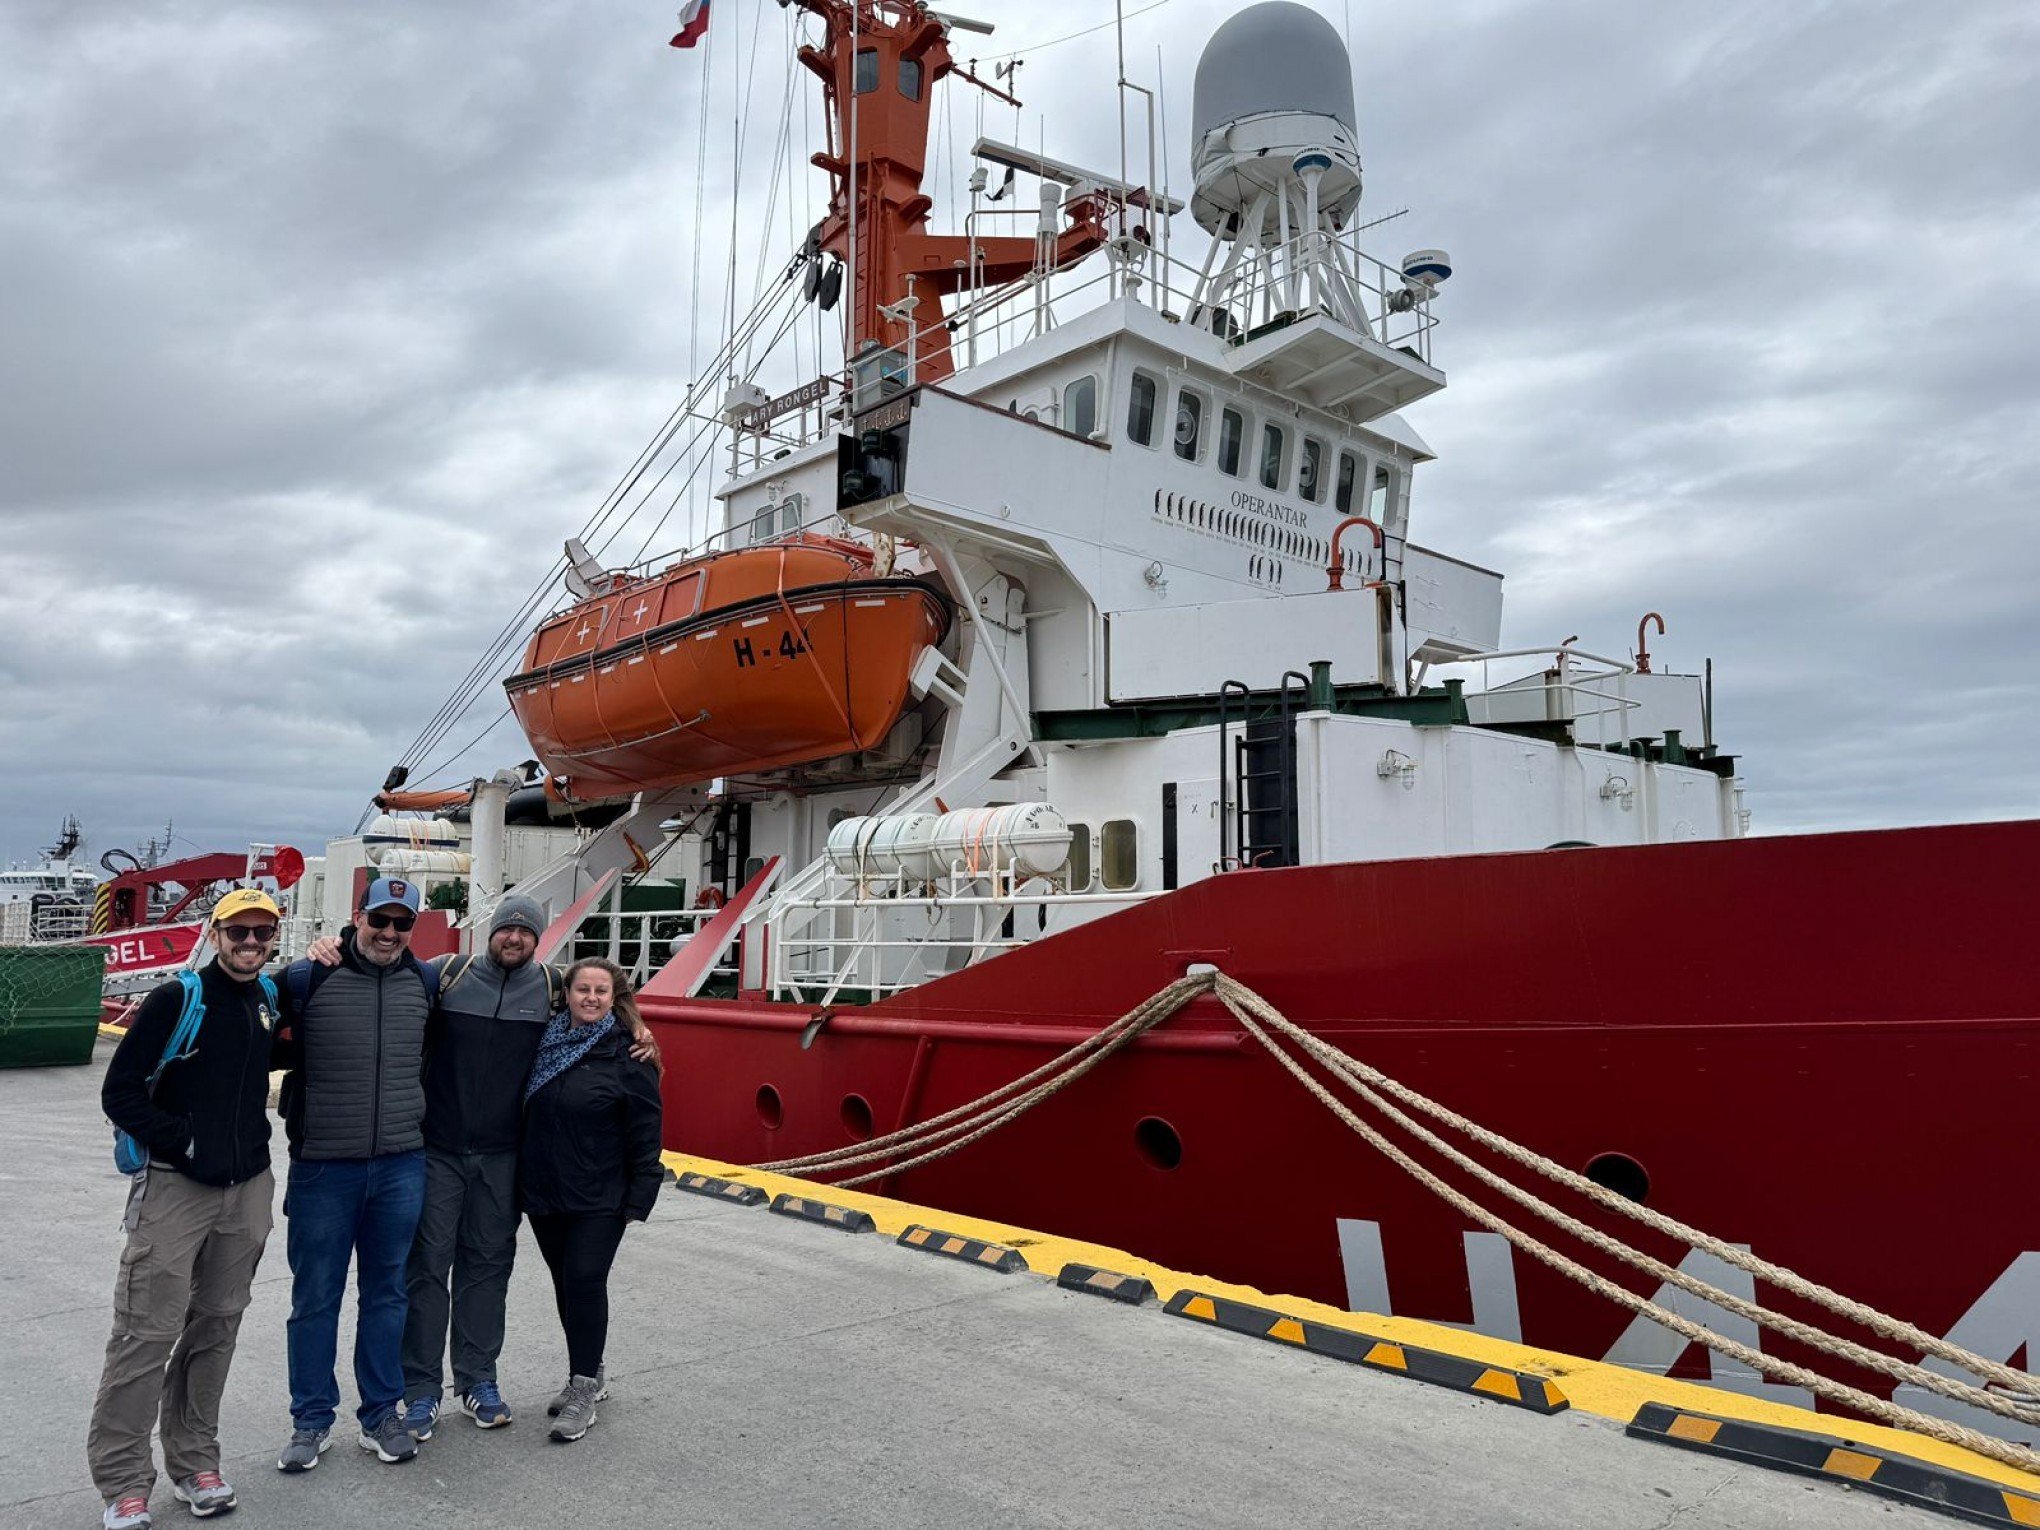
[1647,1346]
[1490,1278]
[2004,1320]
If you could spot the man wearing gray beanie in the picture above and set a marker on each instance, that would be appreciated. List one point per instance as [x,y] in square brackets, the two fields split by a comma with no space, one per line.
[493,1009]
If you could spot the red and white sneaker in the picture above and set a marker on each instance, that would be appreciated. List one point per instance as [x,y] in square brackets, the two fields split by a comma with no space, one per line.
[129,1513]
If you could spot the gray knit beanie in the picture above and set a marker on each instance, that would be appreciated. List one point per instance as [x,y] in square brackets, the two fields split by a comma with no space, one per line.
[518,912]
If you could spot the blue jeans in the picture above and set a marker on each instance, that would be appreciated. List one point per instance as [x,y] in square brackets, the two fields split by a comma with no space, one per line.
[366,1209]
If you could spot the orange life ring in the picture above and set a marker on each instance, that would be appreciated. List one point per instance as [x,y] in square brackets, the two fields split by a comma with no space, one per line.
[710,897]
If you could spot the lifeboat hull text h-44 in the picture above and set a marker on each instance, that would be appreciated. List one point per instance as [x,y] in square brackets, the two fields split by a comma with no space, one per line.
[744,661]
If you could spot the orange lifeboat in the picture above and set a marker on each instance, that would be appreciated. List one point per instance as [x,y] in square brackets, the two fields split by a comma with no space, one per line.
[742,661]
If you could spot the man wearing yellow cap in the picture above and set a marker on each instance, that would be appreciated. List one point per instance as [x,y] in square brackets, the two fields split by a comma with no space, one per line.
[198,1215]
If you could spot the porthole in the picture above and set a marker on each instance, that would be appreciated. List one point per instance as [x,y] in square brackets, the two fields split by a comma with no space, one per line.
[1622,1174]
[1158,1143]
[770,1111]
[856,1116]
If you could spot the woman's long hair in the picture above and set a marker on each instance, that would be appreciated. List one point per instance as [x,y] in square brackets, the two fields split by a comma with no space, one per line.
[622,1001]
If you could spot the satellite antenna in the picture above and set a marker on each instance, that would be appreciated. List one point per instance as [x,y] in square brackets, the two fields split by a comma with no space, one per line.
[585,577]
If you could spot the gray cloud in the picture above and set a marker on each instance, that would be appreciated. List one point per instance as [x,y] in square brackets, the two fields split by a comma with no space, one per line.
[325,324]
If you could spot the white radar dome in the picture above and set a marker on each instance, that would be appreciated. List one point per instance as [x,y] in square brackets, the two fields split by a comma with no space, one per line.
[1274,98]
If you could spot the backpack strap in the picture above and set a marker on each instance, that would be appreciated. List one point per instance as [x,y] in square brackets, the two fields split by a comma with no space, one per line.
[301,979]
[184,1035]
[268,989]
[429,976]
[555,998]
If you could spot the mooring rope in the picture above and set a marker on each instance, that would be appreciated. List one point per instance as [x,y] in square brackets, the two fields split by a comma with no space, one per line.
[942,1135]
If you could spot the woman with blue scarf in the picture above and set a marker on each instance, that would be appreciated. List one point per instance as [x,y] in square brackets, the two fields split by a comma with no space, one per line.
[589,1164]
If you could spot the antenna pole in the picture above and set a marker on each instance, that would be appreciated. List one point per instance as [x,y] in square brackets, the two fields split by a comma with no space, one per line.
[1119,29]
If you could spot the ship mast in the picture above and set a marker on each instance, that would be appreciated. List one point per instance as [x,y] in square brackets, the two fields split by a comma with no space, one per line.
[879,62]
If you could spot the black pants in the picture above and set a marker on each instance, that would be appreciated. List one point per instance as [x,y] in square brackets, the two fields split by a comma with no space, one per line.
[468,1233]
[579,1249]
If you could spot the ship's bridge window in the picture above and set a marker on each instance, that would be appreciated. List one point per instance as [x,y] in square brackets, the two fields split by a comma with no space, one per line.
[1232,431]
[1119,855]
[1189,424]
[1080,406]
[1349,473]
[1381,495]
[910,78]
[1310,473]
[1274,452]
[867,71]
[1140,409]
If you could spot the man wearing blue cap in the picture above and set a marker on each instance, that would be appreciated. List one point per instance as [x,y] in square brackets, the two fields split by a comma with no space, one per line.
[353,1108]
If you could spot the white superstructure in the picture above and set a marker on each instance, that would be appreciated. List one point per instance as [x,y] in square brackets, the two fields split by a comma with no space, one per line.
[1173,506]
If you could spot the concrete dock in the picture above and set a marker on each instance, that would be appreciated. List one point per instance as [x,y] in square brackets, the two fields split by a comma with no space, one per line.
[767,1371]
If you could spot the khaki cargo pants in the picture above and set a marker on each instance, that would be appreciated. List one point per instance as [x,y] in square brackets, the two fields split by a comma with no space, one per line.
[184,1279]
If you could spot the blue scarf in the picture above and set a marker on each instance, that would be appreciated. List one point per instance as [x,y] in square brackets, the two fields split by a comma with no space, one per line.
[563,1045]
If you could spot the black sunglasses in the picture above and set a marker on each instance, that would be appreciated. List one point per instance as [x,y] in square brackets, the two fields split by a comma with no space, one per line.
[239,933]
[390,921]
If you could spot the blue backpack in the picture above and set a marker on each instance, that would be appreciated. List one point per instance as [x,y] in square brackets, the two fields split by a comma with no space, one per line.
[129,1156]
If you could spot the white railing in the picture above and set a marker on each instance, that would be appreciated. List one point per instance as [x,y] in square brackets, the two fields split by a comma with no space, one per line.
[1560,693]
[640,941]
[990,320]
[871,937]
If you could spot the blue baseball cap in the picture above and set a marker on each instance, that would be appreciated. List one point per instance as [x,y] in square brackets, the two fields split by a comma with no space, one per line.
[387,890]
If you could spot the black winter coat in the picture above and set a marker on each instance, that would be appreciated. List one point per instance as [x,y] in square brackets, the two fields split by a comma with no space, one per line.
[591,1137]
[208,1118]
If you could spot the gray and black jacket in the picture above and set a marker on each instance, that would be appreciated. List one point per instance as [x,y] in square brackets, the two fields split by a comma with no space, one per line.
[356,1048]
[485,1034]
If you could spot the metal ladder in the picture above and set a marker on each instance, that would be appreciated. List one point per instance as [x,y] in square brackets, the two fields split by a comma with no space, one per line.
[1257,775]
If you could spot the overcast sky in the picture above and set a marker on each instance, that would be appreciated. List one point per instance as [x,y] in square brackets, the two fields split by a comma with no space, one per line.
[323,324]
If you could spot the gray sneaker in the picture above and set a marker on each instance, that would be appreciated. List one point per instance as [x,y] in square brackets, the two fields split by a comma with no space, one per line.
[207,1492]
[129,1513]
[552,1409]
[389,1440]
[304,1450]
[577,1408]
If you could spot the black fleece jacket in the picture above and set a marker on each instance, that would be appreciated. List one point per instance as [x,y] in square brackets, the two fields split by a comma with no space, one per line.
[209,1116]
[591,1137]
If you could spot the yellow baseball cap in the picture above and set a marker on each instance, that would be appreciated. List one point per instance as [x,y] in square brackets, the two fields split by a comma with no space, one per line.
[243,900]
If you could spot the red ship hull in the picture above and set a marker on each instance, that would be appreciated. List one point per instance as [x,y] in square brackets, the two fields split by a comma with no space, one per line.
[1824,1047]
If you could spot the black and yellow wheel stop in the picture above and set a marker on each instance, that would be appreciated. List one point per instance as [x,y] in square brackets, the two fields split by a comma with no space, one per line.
[1838,1460]
[993,1256]
[721,1189]
[1131,1289]
[1519,1389]
[843,1217]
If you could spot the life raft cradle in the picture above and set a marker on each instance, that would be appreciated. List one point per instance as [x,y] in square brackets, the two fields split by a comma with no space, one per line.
[2002,1390]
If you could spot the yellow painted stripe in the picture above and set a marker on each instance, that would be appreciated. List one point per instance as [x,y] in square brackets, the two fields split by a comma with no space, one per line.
[2021,1510]
[1390,1355]
[1851,1463]
[1200,1307]
[1499,1384]
[1699,1430]
[1593,1386]
[1288,1330]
